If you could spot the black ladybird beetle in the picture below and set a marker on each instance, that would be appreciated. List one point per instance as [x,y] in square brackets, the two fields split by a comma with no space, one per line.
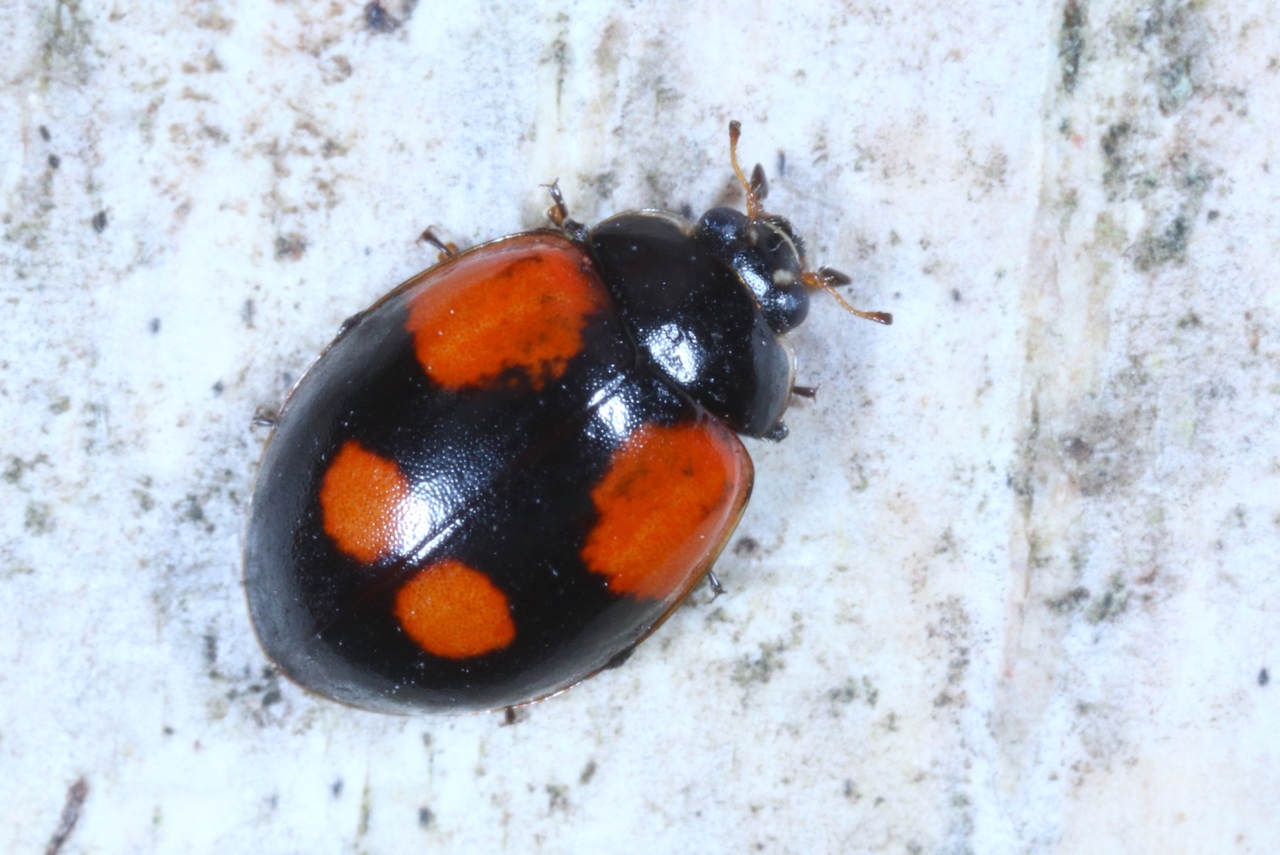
[507,472]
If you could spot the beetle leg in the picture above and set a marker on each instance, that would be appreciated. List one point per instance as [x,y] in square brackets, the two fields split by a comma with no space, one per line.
[448,249]
[619,660]
[558,213]
[714,581]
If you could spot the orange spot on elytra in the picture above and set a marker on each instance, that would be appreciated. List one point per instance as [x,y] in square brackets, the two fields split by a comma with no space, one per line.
[361,500]
[667,505]
[519,304]
[453,611]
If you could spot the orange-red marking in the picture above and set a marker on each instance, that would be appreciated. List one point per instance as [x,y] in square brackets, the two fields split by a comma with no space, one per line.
[455,612]
[522,303]
[667,505]
[361,500]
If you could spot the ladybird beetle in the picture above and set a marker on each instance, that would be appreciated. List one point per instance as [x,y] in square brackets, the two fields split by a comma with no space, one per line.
[507,472]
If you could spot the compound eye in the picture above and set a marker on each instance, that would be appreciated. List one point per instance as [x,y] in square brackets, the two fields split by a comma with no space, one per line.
[783,225]
[776,247]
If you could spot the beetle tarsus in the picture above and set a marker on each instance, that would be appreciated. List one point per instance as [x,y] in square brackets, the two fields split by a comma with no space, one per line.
[619,660]
[558,214]
[716,588]
[349,324]
[447,249]
[777,433]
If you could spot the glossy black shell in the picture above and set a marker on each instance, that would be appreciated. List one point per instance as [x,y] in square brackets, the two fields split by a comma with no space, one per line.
[687,340]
